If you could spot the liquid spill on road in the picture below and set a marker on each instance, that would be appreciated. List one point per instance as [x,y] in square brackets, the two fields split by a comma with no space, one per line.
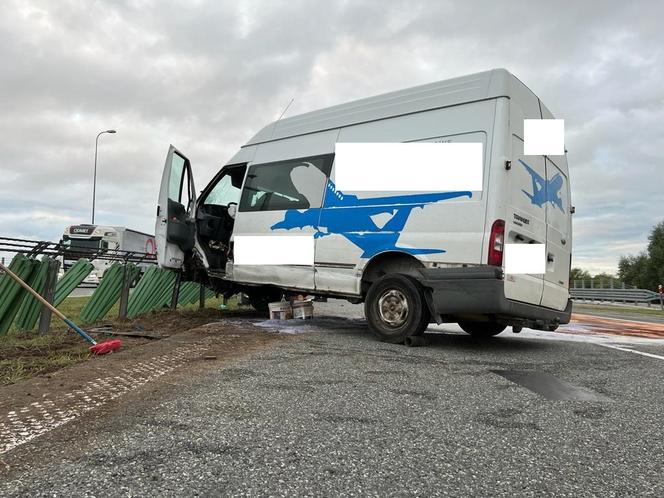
[590,324]
[550,387]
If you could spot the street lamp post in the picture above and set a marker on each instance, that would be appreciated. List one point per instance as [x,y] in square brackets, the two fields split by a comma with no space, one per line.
[94,180]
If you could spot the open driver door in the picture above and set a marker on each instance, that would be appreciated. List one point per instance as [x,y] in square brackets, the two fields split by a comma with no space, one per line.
[175,230]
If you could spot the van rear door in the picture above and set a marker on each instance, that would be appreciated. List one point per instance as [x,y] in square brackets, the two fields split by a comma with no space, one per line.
[174,227]
[525,218]
[558,240]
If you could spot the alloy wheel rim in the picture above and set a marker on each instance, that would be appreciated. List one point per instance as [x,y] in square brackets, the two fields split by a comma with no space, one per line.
[393,307]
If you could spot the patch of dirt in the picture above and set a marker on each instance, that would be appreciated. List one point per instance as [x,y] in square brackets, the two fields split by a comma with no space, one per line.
[25,355]
[222,341]
[167,322]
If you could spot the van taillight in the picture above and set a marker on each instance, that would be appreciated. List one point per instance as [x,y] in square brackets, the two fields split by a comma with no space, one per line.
[497,243]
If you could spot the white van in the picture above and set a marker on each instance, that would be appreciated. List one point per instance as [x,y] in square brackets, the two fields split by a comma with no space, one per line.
[430,257]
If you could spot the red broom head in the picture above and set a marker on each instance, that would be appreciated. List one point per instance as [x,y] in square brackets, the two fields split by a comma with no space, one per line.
[106,347]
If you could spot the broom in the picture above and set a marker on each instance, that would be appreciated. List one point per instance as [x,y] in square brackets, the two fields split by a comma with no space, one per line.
[96,348]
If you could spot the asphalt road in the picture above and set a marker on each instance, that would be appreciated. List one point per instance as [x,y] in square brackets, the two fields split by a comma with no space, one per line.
[334,412]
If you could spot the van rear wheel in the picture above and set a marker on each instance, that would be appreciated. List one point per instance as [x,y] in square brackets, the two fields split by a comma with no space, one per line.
[482,329]
[395,308]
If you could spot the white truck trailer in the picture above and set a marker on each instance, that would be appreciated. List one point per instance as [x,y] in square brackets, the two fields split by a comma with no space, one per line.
[81,240]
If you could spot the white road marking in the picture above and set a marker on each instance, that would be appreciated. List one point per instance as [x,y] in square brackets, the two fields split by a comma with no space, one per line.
[628,350]
[20,426]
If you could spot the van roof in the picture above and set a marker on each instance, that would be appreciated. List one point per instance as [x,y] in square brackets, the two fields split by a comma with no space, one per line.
[480,86]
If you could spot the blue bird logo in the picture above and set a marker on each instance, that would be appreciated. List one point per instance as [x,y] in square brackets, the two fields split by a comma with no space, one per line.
[544,190]
[350,217]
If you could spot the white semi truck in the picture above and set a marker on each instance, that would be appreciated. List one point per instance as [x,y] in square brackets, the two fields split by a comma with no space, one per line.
[81,240]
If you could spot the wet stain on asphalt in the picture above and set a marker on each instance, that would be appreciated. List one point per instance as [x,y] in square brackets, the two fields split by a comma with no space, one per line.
[550,387]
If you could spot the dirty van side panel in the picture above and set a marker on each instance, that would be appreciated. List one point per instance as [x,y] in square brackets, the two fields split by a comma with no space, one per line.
[285,170]
[445,231]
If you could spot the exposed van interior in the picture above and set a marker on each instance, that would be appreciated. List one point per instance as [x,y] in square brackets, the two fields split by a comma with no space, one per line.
[216,213]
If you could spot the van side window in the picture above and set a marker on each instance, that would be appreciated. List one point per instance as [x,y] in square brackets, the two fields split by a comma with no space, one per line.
[292,184]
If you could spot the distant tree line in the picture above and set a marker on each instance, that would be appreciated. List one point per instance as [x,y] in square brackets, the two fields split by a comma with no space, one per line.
[646,269]
[601,279]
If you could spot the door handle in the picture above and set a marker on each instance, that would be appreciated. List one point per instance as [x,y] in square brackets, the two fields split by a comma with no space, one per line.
[549,258]
[563,241]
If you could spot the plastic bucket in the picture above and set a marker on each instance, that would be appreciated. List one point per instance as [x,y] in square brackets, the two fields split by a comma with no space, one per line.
[281,310]
[303,310]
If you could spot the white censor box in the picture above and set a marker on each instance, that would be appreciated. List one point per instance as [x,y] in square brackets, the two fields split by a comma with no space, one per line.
[525,258]
[415,167]
[273,250]
[544,137]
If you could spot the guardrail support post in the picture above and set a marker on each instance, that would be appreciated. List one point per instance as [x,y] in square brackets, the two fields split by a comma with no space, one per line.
[176,291]
[124,295]
[49,294]
[201,296]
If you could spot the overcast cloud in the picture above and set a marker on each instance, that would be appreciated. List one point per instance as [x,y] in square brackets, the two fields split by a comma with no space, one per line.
[206,75]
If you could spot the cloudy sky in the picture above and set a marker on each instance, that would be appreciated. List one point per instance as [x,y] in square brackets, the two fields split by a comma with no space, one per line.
[206,75]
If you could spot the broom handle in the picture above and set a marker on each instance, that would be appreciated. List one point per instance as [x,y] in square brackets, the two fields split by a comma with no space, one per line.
[34,293]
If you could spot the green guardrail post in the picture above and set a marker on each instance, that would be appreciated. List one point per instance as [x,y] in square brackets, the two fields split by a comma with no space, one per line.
[176,290]
[124,295]
[49,295]
[11,293]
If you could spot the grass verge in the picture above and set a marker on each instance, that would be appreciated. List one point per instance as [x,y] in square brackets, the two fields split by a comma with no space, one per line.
[619,310]
[27,354]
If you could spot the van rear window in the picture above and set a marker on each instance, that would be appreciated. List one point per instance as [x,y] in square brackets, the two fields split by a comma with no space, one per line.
[292,184]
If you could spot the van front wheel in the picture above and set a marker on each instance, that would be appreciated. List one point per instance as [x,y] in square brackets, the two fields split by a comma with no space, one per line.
[482,329]
[395,308]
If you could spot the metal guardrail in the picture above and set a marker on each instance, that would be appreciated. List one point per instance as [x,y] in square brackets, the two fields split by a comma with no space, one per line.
[157,288]
[32,248]
[617,295]
[600,283]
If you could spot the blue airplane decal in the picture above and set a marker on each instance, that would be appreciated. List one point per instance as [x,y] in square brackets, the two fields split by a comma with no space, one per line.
[544,191]
[350,217]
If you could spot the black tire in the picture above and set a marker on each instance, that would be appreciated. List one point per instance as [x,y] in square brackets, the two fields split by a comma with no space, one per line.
[260,298]
[384,308]
[482,329]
